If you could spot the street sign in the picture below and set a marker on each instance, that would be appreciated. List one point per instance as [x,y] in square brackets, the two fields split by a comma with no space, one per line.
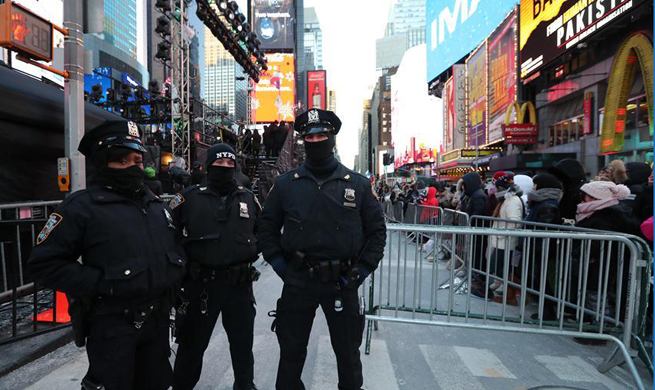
[520,140]
[25,32]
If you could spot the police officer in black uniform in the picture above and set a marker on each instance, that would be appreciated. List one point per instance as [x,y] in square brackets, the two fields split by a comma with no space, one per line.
[218,225]
[130,264]
[333,238]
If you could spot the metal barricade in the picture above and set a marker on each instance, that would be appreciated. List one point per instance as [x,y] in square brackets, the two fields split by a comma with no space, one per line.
[641,330]
[593,294]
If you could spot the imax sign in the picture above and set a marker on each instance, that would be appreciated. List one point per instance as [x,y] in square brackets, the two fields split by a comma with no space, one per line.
[454,28]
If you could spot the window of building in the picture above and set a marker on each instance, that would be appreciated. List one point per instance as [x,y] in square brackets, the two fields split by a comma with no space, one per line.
[563,132]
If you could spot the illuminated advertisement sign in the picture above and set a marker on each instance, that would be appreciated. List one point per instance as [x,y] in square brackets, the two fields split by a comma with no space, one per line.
[316,89]
[454,100]
[550,28]
[502,75]
[274,95]
[274,21]
[454,28]
[476,68]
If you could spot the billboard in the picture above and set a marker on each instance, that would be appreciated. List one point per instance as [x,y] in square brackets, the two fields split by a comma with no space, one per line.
[274,95]
[476,79]
[454,28]
[550,28]
[316,89]
[274,23]
[455,109]
[502,75]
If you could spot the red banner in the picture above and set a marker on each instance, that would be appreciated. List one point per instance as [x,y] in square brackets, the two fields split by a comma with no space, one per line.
[316,89]
[587,110]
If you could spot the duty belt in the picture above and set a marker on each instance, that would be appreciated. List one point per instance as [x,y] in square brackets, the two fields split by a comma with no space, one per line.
[235,274]
[320,268]
[138,314]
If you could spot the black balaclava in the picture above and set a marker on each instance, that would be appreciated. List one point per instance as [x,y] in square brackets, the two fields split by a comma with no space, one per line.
[320,156]
[128,181]
[220,179]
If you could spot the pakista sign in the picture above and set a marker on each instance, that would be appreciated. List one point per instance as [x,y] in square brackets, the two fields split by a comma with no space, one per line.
[550,27]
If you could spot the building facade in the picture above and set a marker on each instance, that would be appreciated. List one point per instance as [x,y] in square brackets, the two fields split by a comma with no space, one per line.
[313,40]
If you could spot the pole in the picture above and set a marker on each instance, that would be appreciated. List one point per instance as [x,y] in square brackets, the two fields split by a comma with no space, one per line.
[74,91]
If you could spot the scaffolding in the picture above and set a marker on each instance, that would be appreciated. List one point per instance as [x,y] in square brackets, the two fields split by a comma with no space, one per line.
[180,83]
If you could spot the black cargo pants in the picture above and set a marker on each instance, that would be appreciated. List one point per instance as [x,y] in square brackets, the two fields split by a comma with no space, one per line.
[236,302]
[295,314]
[122,357]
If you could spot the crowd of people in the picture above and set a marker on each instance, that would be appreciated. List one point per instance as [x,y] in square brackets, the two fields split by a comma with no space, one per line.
[619,198]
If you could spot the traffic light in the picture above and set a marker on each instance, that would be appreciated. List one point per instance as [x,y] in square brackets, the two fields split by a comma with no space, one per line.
[96,93]
[153,89]
[163,5]
[126,92]
[163,26]
[163,51]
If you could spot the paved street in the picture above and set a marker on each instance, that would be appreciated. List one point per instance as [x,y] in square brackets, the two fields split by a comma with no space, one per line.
[402,357]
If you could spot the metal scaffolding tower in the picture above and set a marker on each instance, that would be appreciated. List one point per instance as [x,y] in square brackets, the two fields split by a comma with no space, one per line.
[180,82]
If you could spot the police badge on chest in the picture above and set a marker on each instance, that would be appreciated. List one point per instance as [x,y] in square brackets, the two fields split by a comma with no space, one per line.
[243,210]
[349,195]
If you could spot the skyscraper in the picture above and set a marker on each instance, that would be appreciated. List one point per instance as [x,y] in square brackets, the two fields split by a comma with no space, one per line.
[225,85]
[121,25]
[313,39]
[405,29]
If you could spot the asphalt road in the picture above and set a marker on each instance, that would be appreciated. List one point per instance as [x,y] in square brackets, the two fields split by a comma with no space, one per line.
[402,357]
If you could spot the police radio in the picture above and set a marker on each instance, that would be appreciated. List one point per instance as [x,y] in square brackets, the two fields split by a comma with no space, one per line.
[63,174]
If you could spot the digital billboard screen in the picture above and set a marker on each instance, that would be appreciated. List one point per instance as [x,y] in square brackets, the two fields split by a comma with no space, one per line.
[454,28]
[273,21]
[316,89]
[550,28]
[477,97]
[274,95]
[502,75]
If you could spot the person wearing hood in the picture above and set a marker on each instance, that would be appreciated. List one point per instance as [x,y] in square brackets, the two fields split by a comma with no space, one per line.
[600,210]
[643,205]
[526,184]
[323,232]
[431,202]
[638,183]
[129,264]
[217,226]
[476,202]
[615,172]
[509,207]
[572,175]
[152,182]
[543,206]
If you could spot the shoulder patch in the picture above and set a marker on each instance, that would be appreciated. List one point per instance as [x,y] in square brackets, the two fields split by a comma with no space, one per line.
[50,225]
[176,201]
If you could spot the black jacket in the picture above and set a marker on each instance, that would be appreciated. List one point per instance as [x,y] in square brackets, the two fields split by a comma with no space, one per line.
[642,207]
[546,211]
[128,248]
[217,234]
[155,186]
[477,202]
[332,220]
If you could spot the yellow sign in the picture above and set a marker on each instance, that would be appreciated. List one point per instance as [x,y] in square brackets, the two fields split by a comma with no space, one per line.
[274,98]
[636,47]
[520,112]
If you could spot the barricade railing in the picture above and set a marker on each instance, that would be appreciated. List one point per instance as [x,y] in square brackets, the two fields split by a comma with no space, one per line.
[641,330]
[591,293]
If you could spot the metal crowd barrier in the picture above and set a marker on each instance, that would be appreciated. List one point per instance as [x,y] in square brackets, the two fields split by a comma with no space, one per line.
[593,291]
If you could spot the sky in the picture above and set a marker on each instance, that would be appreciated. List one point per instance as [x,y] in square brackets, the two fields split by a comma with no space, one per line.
[350,29]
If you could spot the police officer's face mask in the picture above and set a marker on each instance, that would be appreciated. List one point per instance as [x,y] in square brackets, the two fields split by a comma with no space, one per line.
[127,181]
[320,151]
[220,178]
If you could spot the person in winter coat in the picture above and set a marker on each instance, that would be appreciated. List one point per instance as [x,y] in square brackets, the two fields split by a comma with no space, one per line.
[152,182]
[615,172]
[476,200]
[458,194]
[642,208]
[509,207]
[543,206]
[526,184]
[600,210]
[475,203]
[572,175]
[429,211]
[256,143]
[638,174]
